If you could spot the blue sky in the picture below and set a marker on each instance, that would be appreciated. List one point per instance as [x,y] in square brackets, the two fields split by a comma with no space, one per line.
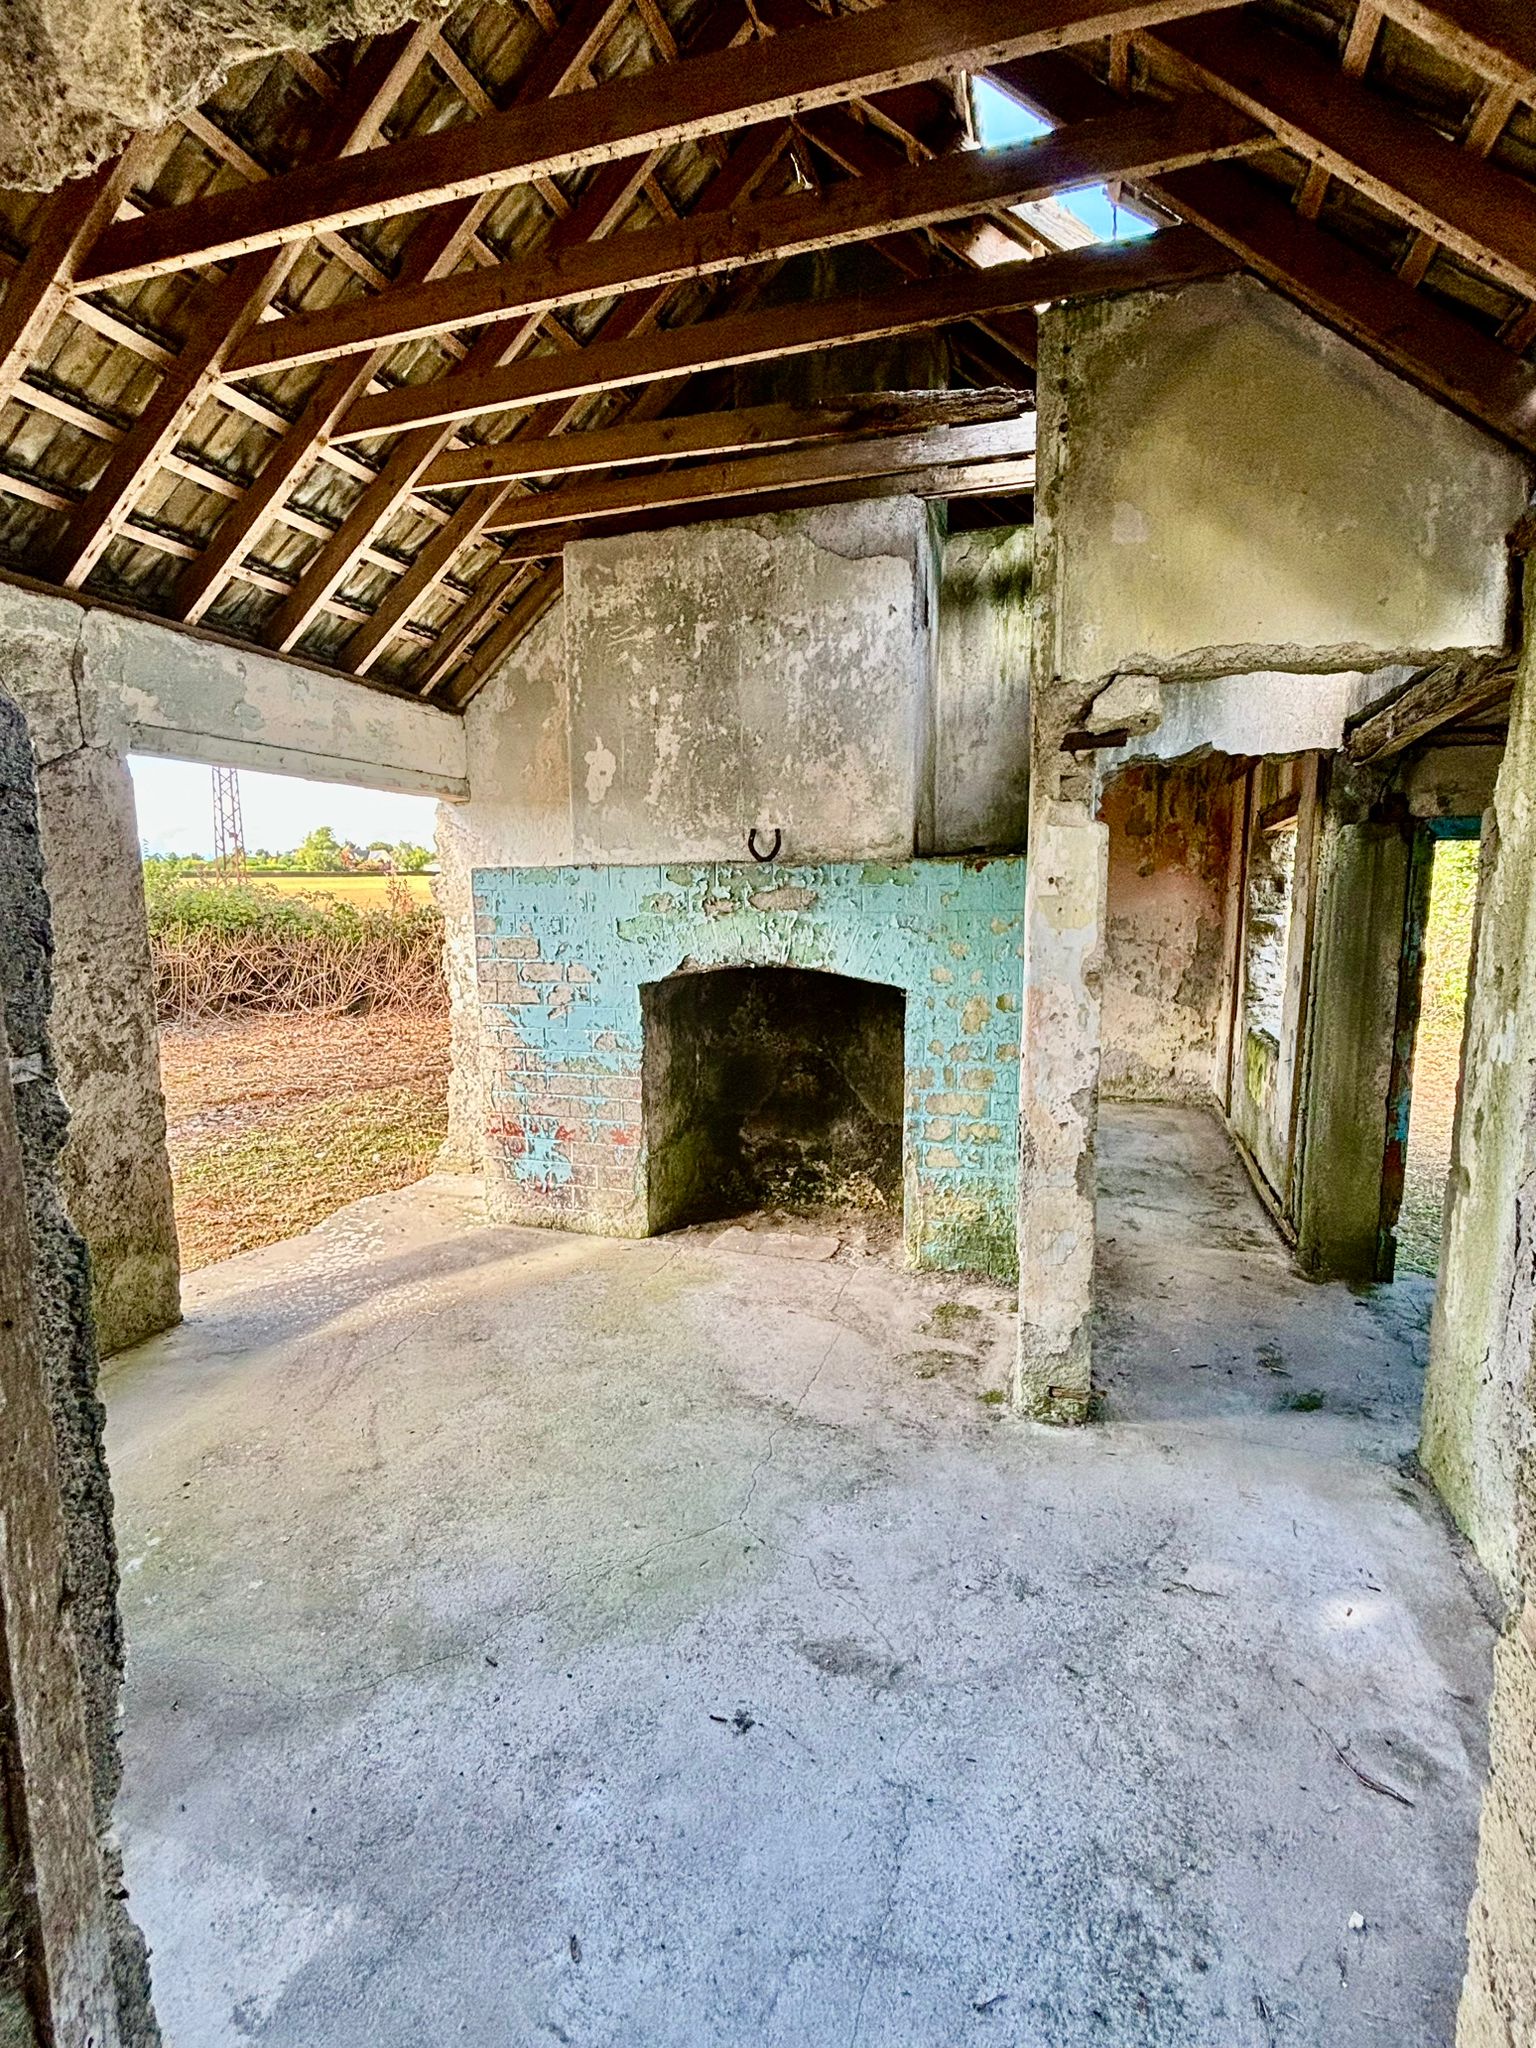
[175,807]
[1000,119]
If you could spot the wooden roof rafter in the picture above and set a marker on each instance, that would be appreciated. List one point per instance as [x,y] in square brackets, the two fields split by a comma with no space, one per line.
[299,441]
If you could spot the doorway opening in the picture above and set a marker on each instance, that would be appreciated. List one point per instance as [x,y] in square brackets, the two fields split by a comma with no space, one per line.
[1441,904]
[771,1087]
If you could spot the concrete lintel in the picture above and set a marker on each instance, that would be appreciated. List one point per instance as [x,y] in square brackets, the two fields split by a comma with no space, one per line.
[1257,712]
[217,748]
[124,682]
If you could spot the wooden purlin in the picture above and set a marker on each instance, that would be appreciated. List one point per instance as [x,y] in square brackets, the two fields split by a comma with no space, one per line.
[1171,258]
[747,430]
[69,224]
[1496,39]
[845,57]
[1010,477]
[532,602]
[898,454]
[752,159]
[835,130]
[600,210]
[225,312]
[1487,215]
[1142,141]
[436,244]
[1404,329]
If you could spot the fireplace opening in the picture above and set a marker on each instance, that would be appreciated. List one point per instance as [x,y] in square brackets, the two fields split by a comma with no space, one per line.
[771,1087]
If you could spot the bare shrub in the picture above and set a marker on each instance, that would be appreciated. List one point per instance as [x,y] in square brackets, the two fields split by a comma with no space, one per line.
[223,948]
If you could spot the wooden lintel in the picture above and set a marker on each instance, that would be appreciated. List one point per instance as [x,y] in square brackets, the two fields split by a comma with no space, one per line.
[1435,697]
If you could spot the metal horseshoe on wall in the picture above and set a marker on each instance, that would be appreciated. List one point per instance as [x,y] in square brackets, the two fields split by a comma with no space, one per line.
[773,851]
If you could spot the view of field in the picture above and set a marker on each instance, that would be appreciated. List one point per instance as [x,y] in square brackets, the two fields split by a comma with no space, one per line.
[303,1045]
[1437,1053]
[362,890]
[276,1121]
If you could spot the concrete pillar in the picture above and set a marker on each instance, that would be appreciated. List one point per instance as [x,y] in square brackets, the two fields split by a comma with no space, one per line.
[1479,1437]
[114,1170]
[1065,908]
[1363,877]
[1479,1440]
[56,1525]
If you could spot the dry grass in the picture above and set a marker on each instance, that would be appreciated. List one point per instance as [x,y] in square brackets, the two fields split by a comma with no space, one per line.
[278,1121]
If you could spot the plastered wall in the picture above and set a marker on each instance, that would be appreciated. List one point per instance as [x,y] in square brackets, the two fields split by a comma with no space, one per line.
[759,672]
[1233,479]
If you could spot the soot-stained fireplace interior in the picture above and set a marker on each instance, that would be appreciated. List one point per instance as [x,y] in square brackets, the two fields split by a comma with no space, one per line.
[767,1086]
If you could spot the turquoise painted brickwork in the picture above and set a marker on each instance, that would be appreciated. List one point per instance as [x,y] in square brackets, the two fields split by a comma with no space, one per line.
[562,954]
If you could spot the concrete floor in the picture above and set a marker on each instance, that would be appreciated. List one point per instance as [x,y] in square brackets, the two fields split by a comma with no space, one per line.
[667,1645]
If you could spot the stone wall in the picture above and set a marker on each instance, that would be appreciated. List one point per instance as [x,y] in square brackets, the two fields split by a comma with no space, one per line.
[95,684]
[762,672]
[839,672]
[563,954]
[65,1335]
[114,1170]
[980,799]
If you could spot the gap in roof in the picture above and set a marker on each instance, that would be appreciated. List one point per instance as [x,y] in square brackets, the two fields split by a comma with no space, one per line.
[1001,119]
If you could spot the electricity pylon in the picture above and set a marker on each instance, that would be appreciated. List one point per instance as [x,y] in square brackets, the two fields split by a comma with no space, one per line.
[228,830]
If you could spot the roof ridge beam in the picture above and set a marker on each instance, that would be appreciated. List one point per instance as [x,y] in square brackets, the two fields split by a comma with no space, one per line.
[903,42]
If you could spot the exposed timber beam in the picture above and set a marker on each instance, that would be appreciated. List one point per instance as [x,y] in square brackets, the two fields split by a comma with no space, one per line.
[1496,38]
[1140,142]
[1485,214]
[851,56]
[940,448]
[753,157]
[1013,477]
[434,247]
[1402,328]
[598,212]
[1435,697]
[528,608]
[224,313]
[1170,258]
[750,430]
[68,225]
